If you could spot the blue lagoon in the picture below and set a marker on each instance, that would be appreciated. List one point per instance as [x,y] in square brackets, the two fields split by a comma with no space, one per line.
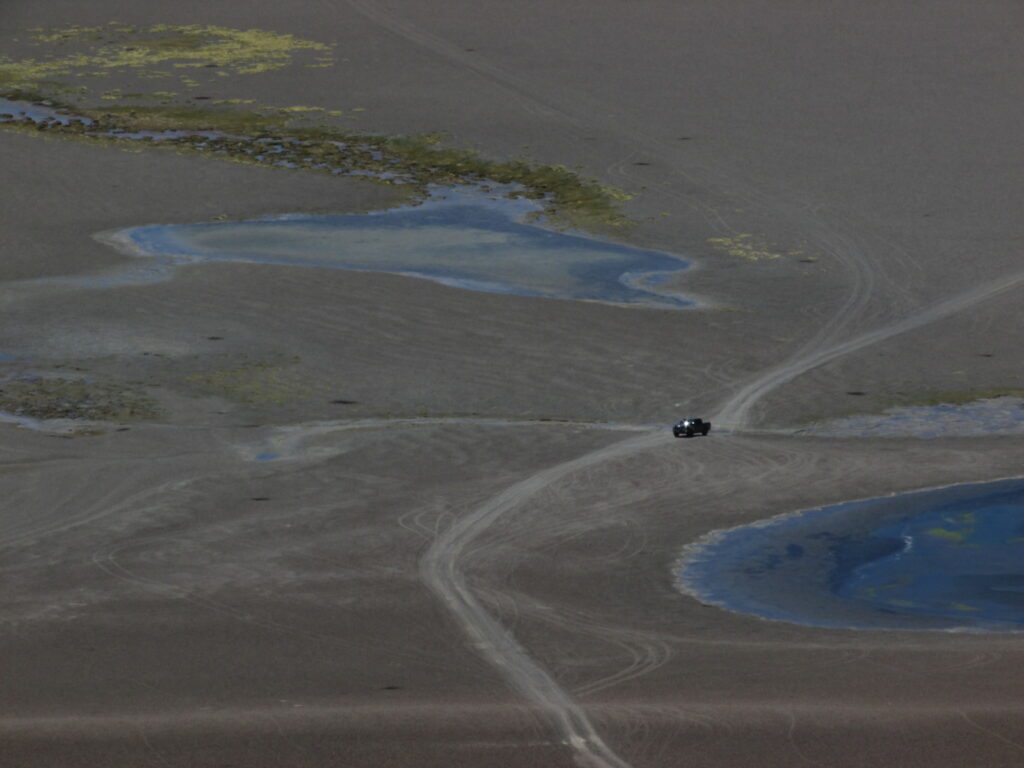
[464,240]
[951,558]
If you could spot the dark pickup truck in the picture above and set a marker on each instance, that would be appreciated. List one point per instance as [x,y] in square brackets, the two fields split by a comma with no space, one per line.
[691,427]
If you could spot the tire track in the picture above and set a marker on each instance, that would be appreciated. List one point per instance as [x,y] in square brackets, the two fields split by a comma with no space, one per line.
[575,113]
[735,413]
[440,564]
[440,571]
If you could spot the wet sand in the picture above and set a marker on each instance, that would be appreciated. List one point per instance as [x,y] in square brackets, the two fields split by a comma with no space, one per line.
[169,599]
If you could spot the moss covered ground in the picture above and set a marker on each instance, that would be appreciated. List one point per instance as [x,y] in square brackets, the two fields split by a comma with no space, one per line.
[63,398]
[73,63]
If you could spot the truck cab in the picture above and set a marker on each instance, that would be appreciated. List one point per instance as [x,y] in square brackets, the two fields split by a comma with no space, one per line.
[691,427]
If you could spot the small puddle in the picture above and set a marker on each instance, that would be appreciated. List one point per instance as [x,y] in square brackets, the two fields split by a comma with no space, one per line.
[37,113]
[465,240]
[949,559]
[991,416]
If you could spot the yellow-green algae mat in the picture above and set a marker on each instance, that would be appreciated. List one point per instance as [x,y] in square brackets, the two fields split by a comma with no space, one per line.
[158,52]
[36,397]
[73,62]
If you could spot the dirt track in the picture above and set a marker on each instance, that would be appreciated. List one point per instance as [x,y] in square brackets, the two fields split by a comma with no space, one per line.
[454,546]
[440,565]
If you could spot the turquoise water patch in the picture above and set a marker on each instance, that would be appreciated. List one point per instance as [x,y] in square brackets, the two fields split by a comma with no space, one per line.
[951,558]
[465,241]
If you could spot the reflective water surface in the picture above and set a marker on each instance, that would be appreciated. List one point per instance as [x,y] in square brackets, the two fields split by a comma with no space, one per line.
[464,240]
[951,558]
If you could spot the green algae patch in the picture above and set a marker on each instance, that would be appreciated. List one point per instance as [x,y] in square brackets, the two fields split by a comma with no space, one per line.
[412,162]
[60,398]
[253,384]
[943,533]
[157,52]
[569,201]
[750,248]
[75,60]
[136,118]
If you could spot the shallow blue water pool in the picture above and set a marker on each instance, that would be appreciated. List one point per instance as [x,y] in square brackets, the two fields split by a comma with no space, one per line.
[951,558]
[465,240]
